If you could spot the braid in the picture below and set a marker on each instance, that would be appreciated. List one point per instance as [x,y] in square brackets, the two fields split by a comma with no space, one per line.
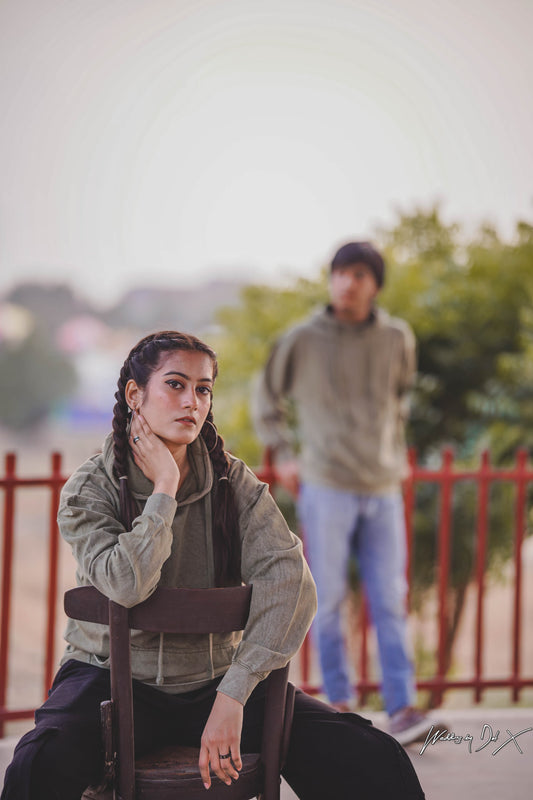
[226,539]
[121,447]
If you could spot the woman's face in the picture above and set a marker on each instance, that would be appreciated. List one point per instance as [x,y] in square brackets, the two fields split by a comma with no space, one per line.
[177,398]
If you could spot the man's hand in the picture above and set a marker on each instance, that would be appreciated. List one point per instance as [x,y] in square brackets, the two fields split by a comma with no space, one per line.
[288,474]
[221,741]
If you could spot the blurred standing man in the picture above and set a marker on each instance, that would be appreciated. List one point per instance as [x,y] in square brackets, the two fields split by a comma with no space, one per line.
[348,369]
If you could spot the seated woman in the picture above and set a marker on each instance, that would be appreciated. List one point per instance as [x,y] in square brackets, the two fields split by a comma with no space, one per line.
[165,505]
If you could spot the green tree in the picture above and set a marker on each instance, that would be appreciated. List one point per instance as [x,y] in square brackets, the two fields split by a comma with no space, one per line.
[51,304]
[465,302]
[35,378]
[247,333]
[470,305]
[469,302]
[510,409]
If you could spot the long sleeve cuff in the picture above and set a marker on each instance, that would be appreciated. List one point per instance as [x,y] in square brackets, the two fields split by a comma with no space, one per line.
[163,505]
[239,682]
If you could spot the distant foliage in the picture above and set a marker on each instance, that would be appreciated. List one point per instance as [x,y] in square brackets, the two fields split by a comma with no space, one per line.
[470,303]
[50,304]
[247,334]
[35,379]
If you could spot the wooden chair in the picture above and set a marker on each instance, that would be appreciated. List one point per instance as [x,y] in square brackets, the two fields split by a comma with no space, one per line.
[172,773]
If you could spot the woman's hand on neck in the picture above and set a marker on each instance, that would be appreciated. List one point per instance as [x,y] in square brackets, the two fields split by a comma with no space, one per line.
[153,457]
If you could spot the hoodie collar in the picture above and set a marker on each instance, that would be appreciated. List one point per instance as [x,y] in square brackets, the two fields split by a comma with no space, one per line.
[377,317]
[197,484]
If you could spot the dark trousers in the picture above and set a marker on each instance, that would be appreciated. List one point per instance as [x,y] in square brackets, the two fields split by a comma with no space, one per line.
[340,755]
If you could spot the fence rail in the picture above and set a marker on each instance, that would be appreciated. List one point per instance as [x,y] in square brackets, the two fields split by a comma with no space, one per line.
[520,475]
[446,477]
[10,483]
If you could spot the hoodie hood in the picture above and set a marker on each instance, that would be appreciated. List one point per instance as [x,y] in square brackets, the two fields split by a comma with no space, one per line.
[325,319]
[198,483]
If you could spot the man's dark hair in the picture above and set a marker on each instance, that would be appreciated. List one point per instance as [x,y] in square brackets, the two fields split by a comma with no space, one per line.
[360,253]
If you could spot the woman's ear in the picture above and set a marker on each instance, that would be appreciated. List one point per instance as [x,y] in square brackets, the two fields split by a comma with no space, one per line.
[133,394]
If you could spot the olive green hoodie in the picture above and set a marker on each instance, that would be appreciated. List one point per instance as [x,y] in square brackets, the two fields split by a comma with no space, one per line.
[170,544]
[349,383]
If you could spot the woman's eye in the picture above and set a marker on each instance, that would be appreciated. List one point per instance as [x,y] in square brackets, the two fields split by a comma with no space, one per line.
[205,390]
[174,384]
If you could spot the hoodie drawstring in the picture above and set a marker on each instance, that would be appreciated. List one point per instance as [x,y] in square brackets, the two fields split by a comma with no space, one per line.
[160,678]
[211,656]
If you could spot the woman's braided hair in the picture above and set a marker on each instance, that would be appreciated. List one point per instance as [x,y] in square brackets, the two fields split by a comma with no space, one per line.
[142,360]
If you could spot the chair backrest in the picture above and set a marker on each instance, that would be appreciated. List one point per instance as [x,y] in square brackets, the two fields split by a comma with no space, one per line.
[169,610]
[182,611]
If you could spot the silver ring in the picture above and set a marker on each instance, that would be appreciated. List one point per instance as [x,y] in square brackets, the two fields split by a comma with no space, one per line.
[136,439]
[228,755]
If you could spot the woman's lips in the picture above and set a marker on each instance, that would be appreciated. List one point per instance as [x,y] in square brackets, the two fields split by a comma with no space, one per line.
[186,421]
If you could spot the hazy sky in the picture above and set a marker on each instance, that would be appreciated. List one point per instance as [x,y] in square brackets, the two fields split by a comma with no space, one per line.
[168,141]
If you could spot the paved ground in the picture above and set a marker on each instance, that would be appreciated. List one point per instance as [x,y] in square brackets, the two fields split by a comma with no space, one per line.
[449,771]
[456,769]
[453,769]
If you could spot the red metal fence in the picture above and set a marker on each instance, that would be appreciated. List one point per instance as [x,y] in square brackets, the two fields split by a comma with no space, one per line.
[446,477]
[10,483]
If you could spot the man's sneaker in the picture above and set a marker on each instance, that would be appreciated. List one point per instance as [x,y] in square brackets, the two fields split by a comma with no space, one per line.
[409,725]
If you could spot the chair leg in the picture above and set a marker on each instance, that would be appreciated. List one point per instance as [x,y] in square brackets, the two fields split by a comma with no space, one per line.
[105,789]
[106,714]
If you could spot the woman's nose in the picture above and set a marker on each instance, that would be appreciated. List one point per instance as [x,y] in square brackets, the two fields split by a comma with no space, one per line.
[190,400]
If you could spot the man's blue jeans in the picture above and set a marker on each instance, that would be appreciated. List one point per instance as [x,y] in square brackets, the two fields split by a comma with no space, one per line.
[338,524]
